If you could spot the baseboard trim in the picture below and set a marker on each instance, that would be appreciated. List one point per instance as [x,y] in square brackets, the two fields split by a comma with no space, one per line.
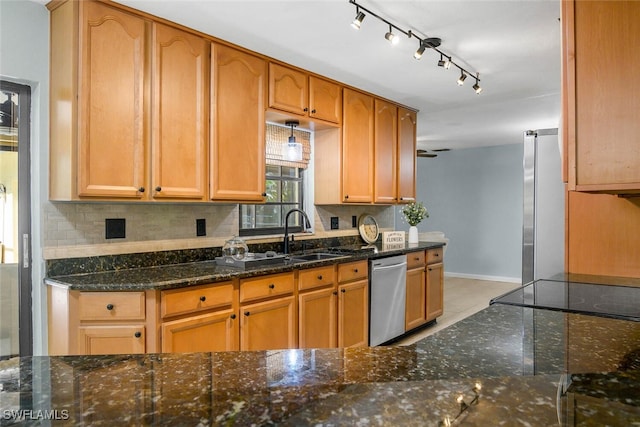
[484,277]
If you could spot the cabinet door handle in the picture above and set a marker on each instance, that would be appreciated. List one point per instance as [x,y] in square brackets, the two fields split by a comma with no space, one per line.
[305,109]
[272,286]
[335,292]
[158,188]
[246,313]
[109,307]
[355,270]
[313,111]
[141,189]
[233,316]
[137,334]
[264,194]
[343,290]
[430,269]
[346,196]
[203,298]
[319,276]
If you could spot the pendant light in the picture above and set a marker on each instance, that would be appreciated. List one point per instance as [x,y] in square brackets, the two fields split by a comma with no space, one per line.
[292,150]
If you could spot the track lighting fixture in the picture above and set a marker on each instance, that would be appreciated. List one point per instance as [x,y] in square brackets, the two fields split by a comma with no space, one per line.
[424,43]
[358,19]
[392,38]
[462,78]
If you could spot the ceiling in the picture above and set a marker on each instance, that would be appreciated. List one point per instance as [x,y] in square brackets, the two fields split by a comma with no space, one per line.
[513,44]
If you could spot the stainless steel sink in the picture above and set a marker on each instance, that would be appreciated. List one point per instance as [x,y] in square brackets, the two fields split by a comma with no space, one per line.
[317,256]
[253,260]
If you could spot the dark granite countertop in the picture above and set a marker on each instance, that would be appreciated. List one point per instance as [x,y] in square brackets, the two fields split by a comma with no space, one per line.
[534,367]
[201,272]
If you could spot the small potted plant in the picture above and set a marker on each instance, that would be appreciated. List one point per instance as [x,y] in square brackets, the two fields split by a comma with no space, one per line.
[414,213]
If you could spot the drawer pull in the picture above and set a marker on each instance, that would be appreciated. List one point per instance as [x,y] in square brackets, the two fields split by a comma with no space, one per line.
[141,189]
[246,313]
[233,316]
[109,307]
[158,188]
[417,258]
[335,292]
[272,286]
[436,254]
[137,334]
[203,298]
[319,276]
[355,270]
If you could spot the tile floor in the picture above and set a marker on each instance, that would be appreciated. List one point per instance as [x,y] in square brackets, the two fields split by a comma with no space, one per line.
[462,298]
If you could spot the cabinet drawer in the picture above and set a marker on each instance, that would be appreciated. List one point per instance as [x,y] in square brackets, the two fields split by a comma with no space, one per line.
[416,260]
[266,286]
[353,270]
[195,299]
[434,256]
[316,277]
[111,305]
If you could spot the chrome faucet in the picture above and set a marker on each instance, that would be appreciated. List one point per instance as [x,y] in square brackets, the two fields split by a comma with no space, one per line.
[307,224]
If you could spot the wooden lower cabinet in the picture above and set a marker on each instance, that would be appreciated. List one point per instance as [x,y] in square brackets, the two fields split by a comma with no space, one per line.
[435,290]
[416,297]
[318,318]
[111,339]
[268,325]
[353,304]
[217,331]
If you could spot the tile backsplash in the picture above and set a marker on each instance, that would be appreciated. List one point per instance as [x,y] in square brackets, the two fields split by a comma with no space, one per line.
[82,225]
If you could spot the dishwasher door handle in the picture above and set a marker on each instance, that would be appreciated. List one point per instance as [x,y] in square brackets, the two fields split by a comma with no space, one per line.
[388,267]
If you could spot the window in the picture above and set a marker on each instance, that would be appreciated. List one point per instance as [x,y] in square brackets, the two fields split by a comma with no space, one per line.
[284,186]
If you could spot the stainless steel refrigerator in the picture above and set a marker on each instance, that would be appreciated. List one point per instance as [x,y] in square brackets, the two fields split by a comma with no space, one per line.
[543,209]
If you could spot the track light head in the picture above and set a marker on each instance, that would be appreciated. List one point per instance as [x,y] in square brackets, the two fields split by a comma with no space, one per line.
[462,78]
[392,38]
[445,63]
[476,86]
[358,20]
[420,51]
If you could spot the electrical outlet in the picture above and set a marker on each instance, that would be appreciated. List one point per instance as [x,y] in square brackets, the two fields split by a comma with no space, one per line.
[201,227]
[115,228]
[354,221]
[335,223]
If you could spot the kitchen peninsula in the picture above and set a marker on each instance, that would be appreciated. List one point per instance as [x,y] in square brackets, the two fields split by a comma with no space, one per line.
[525,366]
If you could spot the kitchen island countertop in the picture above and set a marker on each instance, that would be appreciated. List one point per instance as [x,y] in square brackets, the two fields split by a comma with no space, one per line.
[526,366]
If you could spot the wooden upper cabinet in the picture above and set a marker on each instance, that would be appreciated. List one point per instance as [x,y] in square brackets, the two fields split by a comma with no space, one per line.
[111,107]
[325,100]
[180,114]
[386,151]
[357,147]
[407,121]
[294,91]
[601,96]
[238,89]
[288,89]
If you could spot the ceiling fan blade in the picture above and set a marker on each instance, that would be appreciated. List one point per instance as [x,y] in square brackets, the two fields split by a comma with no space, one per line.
[425,153]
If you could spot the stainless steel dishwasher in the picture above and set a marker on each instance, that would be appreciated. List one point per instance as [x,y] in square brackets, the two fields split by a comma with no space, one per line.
[388,292]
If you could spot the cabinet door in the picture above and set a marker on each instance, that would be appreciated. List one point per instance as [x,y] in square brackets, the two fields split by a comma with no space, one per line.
[318,318]
[386,153]
[435,290]
[238,88]
[416,314]
[357,147]
[607,92]
[129,339]
[288,89]
[217,331]
[353,314]
[180,114]
[111,116]
[268,325]
[407,121]
[325,100]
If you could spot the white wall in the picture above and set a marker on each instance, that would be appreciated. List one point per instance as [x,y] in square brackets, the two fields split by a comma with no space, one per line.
[474,195]
[24,59]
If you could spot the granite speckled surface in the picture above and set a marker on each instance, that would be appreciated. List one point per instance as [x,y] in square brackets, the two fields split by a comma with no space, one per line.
[535,368]
[178,275]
